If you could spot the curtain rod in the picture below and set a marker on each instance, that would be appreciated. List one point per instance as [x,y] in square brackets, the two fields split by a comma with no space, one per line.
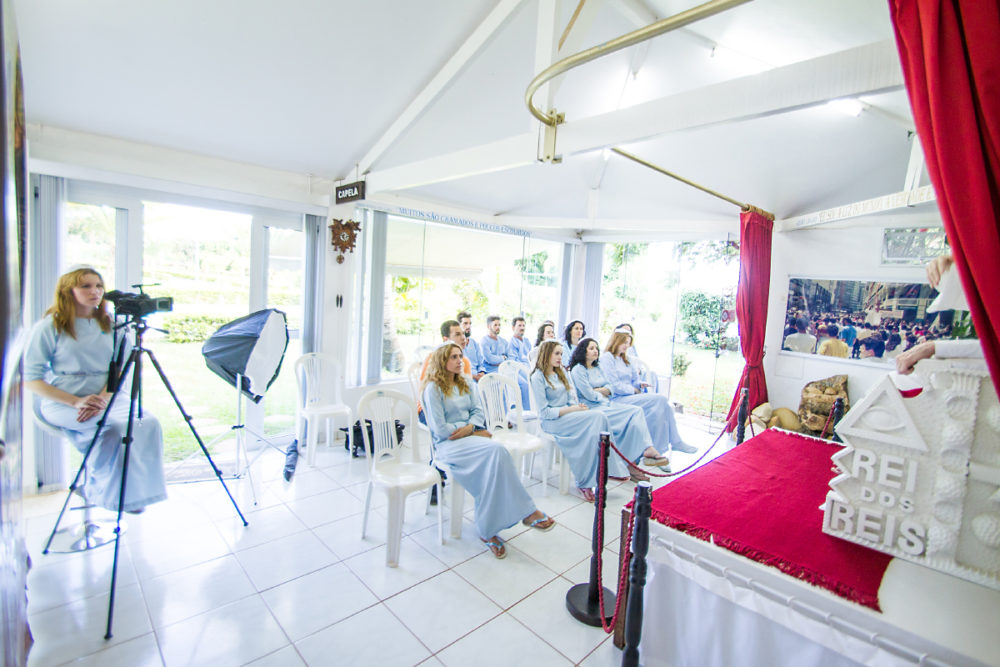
[742,205]
[643,34]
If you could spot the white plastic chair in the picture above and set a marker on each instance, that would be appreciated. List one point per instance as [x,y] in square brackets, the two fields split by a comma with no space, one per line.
[501,400]
[393,467]
[511,370]
[413,375]
[320,382]
[91,534]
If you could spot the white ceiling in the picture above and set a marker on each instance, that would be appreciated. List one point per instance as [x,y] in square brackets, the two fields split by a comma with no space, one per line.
[310,85]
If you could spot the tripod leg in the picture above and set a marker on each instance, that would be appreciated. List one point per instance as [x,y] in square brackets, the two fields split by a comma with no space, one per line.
[187,418]
[86,456]
[127,440]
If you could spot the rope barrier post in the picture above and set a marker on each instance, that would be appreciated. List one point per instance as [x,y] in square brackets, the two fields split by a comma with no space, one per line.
[741,417]
[584,600]
[838,414]
[641,507]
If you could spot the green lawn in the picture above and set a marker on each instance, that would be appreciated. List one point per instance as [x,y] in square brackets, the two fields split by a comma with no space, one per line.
[695,388]
[208,398]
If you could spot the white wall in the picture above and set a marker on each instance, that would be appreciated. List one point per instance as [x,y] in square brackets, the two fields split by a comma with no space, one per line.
[849,252]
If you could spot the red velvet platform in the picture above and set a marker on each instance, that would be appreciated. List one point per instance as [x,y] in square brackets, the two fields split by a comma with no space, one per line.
[762,500]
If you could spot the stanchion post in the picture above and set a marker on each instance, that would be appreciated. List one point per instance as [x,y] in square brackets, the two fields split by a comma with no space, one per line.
[637,573]
[583,600]
[838,414]
[741,416]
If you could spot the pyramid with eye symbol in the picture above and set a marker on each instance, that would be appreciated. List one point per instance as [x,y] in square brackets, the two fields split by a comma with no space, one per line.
[919,476]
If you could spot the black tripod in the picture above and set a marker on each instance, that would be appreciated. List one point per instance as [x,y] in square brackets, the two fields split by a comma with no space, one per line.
[133,363]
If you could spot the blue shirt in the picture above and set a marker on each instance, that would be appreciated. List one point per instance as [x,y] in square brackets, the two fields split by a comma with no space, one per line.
[848,334]
[475,356]
[623,379]
[518,349]
[494,352]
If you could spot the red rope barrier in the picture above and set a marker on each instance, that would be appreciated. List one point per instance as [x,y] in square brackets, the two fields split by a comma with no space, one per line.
[627,541]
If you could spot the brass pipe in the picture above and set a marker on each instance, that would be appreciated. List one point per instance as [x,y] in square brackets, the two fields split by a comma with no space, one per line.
[657,168]
[674,22]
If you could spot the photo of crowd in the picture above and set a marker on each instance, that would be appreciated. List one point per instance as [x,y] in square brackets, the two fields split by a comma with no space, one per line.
[860,319]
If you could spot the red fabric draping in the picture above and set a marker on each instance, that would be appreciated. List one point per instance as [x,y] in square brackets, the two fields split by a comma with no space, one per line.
[951,64]
[751,307]
[762,500]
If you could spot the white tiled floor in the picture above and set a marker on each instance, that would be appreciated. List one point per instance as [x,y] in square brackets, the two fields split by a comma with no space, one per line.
[299,585]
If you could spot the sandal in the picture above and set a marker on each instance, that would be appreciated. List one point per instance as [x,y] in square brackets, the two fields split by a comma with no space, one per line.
[544,523]
[639,476]
[657,461]
[587,493]
[496,546]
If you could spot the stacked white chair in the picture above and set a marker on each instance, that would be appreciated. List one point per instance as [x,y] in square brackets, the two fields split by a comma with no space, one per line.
[393,467]
[501,399]
[320,382]
[533,423]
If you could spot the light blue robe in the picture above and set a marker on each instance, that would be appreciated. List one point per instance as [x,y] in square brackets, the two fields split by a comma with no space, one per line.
[79,366]
[567,352]
[628,425]
[518,349]
[494,352]
[624,380]
[475,356]
[482,466]
[577,433]
[652,379]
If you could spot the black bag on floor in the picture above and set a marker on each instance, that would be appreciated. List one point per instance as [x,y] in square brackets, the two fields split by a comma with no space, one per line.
[357,439]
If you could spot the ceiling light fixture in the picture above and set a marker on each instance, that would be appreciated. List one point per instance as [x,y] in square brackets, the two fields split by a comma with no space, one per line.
[847,105]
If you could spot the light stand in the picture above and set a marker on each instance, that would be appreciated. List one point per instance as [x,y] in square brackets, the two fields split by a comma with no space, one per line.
[134,363]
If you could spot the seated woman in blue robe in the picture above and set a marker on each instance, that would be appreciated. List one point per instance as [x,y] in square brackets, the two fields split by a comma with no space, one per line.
[483,467]
[628,425]
[572,334]
[650,376]
[576,428]
[66,364]
[547,331]
[626,387]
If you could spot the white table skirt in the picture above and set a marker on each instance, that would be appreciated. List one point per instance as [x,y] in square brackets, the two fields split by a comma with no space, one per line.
[706,607]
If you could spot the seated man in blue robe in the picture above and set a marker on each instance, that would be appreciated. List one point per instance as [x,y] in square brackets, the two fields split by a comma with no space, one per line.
[494,348]
[519,346]
[472,351]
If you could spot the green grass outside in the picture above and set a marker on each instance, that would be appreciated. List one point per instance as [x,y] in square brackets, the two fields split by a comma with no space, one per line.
[694,388]
[208,398]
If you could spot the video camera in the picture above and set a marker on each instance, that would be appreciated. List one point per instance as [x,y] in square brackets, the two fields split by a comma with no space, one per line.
[139,305]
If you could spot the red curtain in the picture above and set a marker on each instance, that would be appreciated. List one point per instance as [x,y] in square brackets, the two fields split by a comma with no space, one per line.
[751,307]
[950,53]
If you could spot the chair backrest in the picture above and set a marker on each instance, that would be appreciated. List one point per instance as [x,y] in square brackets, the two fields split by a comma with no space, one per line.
[36,412]
[383,407]
[501,400]
[510,369]
[319,379]
[413,374]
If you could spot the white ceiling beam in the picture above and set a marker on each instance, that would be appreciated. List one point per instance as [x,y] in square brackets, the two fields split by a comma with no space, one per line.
[545,48]
[465,53]
[883,204]
[862,70]
[859,71]
[636,12]
[509,153]
[572,44]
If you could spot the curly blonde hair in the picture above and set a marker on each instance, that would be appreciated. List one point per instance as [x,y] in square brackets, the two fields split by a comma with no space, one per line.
[616,340]
[439,375]
[63,308]
[544,363]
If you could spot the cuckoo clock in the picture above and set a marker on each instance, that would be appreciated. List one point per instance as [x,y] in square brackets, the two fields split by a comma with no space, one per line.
[343,236]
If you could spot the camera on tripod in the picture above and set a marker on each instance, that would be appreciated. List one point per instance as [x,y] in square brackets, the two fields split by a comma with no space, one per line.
[139,304]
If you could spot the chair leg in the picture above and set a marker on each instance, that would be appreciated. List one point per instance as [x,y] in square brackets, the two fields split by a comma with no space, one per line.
[440,494]
[457,506]
[564,476]
[368,504]
[313,439]
[394,527]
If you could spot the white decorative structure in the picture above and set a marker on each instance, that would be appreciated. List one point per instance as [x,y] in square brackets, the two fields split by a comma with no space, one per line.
[919,477]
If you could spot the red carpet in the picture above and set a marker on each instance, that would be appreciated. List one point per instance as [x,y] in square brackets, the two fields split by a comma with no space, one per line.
[762,500]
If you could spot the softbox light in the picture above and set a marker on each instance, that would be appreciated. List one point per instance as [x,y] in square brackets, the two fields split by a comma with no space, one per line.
[251,347]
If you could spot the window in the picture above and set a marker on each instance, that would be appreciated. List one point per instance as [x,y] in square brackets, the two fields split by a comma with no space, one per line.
[678,297]
[286,257]
[915,246]
[433,271]
[90,239]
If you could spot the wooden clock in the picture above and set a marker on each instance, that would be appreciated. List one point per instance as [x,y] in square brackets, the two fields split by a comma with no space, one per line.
[343,236]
